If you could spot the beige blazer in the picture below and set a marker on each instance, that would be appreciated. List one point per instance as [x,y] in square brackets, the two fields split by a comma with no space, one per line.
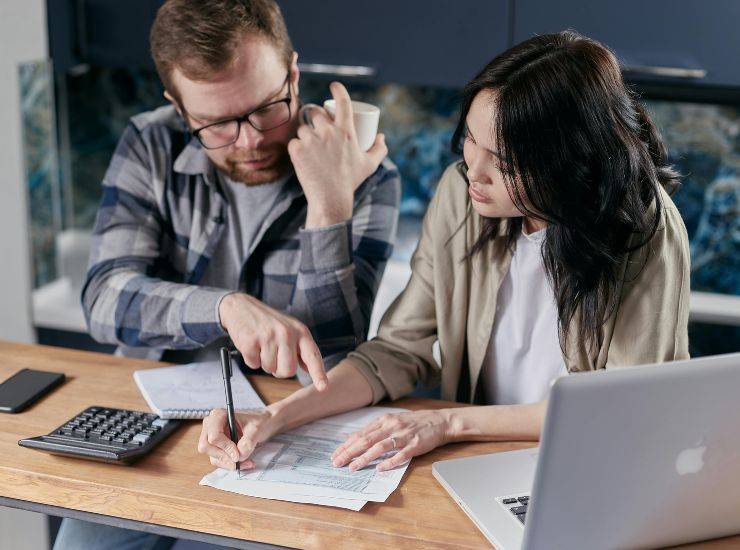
[453,301]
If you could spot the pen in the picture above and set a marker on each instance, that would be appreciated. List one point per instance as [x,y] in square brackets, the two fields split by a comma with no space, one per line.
[226,373]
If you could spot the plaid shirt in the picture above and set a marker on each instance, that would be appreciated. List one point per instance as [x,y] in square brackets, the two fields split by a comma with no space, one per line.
[162,214]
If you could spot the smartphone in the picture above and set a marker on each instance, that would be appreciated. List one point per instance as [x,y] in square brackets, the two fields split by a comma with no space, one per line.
[25,387]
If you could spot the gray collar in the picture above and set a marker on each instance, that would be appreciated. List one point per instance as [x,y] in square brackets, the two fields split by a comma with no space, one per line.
[193,160]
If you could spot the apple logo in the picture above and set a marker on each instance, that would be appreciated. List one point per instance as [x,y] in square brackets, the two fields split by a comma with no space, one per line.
[691,460]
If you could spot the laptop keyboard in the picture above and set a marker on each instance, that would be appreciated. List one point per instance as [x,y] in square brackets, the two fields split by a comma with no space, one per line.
[517,505]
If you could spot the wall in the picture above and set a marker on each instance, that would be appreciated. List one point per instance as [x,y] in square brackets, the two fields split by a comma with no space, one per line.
[23,28]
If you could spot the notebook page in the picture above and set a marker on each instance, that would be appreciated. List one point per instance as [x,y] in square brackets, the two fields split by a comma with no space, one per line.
[197,386]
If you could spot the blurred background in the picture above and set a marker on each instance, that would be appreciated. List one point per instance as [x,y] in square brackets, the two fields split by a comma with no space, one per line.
[74,71]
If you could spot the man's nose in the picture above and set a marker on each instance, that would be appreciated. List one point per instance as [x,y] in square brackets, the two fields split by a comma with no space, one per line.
[249,137]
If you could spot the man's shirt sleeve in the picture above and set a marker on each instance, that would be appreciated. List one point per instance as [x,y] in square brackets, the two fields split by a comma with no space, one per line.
[124,303]
[341,267]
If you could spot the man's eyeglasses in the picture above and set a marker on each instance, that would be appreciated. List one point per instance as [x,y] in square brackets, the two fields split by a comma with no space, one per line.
[264,118]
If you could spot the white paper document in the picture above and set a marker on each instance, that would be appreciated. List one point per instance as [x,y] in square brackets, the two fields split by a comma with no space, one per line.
[296,466]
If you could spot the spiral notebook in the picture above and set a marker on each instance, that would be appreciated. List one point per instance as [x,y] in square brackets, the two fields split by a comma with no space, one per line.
[192,391]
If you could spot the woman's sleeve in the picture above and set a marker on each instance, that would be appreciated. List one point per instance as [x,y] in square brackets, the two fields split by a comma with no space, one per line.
[401,354]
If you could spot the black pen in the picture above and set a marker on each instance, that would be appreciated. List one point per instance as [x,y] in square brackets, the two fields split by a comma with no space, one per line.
[226,372]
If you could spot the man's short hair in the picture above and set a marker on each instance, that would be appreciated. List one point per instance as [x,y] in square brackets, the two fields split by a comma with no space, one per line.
[200,37]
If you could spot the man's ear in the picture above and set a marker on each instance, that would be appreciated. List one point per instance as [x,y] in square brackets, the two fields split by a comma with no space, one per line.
[295,72]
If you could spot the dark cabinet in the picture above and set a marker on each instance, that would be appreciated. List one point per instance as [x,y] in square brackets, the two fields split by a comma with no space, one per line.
[433,42]
[105,33]
[685,41]
[438,42]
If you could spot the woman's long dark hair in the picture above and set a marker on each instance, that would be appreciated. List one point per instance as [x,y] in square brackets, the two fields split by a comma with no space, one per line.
[587,159]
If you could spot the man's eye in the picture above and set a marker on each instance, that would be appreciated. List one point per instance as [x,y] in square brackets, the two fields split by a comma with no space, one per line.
[219,128]
[267,109]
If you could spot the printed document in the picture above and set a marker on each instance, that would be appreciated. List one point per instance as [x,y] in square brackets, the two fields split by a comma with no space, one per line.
[296,466]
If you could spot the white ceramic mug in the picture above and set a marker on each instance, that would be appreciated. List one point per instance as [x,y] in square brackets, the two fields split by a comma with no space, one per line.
[364,115]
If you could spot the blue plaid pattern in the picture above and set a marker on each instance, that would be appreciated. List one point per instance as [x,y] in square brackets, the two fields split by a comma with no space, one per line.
[161,215]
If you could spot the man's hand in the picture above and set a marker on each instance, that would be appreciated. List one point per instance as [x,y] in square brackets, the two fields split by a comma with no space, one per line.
[330,164]
[252,428]
[271,340]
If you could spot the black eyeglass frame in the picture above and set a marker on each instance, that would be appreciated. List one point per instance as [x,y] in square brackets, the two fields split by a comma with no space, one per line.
[245,118]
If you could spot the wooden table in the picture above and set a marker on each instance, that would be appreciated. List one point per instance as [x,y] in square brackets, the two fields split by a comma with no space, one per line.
[160,493]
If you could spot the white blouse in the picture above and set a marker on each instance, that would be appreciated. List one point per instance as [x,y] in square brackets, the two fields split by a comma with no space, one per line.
[524,355]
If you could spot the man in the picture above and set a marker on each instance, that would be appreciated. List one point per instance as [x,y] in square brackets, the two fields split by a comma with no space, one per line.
[221,217]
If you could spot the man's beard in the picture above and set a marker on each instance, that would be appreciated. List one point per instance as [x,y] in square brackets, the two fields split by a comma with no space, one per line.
[279,165]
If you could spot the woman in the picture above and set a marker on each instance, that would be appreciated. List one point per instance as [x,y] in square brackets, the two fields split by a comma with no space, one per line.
[552,247]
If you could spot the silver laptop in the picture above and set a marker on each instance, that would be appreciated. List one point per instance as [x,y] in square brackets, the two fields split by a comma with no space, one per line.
[630,458]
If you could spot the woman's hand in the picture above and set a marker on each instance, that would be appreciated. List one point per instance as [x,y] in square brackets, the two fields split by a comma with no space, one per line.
[252,428]
[414,433]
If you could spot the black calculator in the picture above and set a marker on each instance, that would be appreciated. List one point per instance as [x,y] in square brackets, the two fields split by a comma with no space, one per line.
[105,434]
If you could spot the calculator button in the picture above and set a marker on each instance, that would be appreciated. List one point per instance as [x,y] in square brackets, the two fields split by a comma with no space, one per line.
[141,438]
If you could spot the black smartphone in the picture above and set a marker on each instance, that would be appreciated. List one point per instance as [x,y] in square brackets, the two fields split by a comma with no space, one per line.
[25,387]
